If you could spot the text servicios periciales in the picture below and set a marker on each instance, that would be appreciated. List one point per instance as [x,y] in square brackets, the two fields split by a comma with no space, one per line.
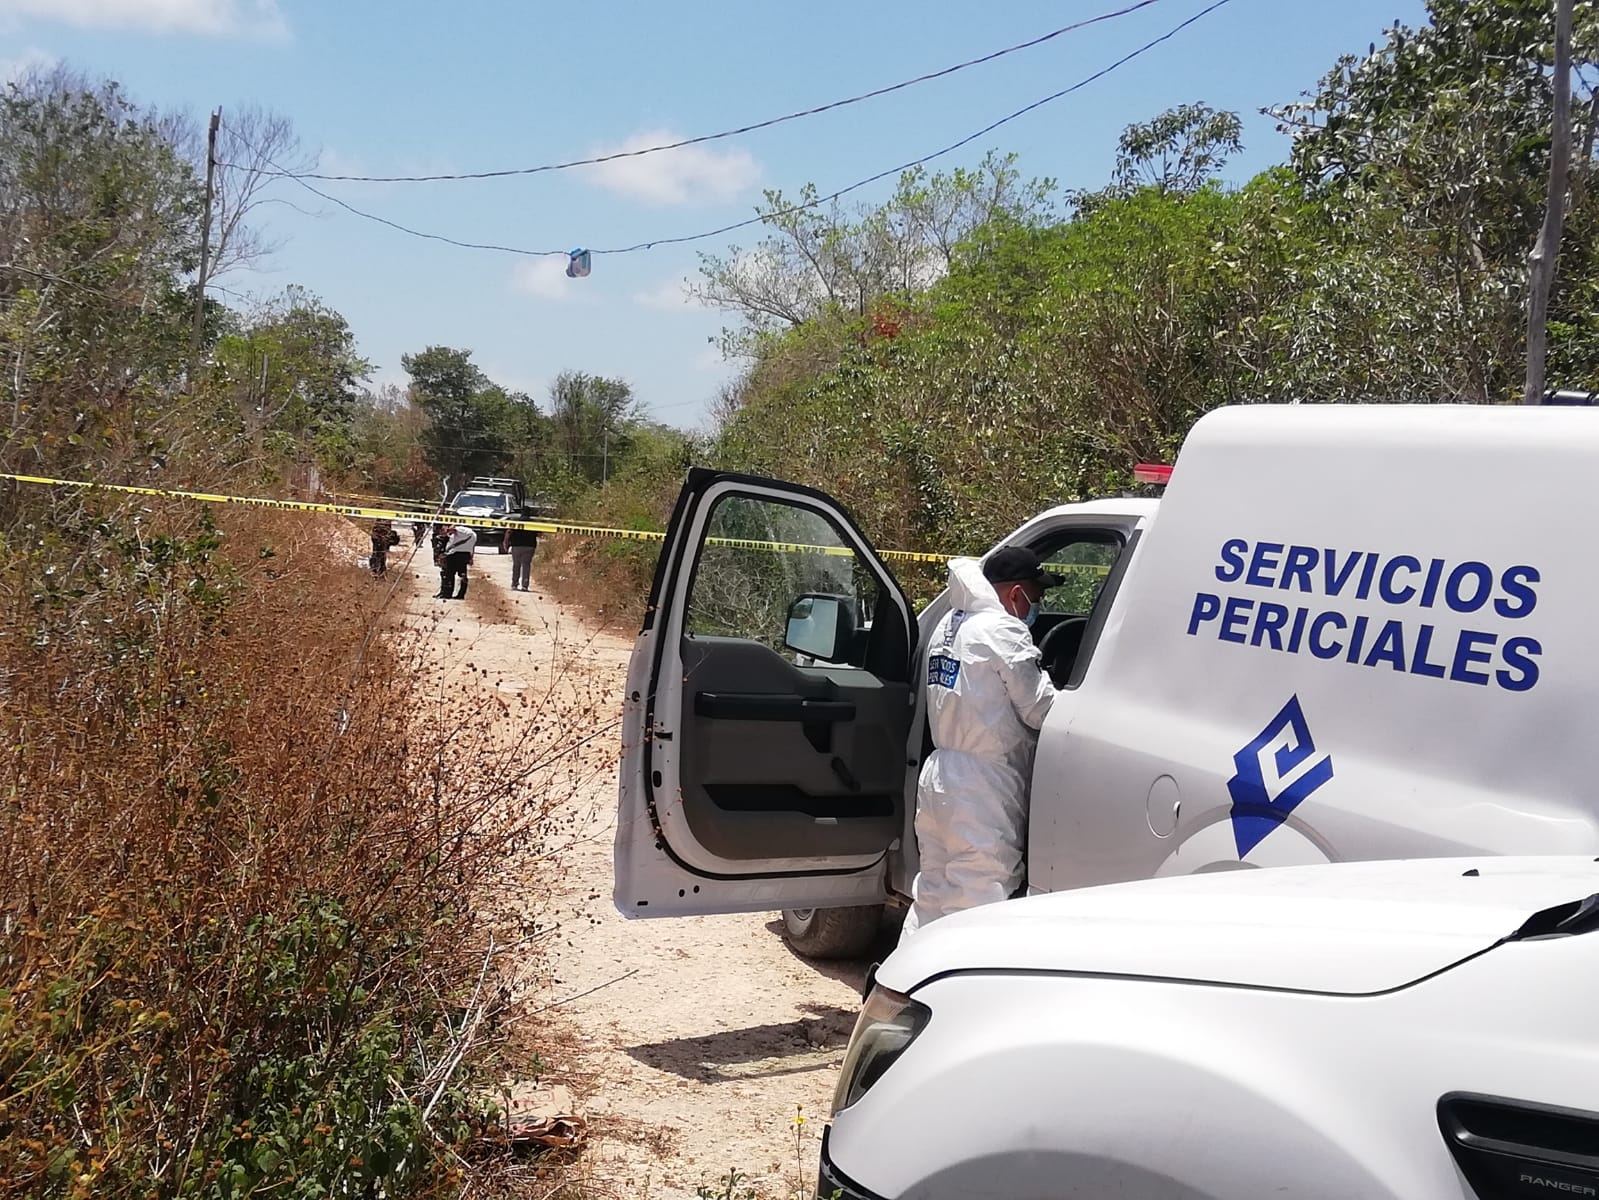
[1485,657]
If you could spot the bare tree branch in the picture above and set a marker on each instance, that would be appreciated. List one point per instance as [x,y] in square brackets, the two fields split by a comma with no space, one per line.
[253,144]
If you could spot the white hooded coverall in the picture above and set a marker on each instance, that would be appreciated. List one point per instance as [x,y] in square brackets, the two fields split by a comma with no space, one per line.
[987,695]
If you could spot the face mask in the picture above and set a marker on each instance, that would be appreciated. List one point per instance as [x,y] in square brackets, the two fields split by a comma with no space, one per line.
[1032,613]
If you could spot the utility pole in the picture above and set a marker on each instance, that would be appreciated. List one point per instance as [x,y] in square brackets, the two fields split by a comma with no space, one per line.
[205,249]
[260,407]
[1541,263]
[605,456]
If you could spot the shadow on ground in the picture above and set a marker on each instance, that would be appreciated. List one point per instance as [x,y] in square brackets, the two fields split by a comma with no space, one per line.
[851,971]
[810,1043]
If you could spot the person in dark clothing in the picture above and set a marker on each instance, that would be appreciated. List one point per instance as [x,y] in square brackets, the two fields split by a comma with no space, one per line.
[521,543]
[418,532]
[457,558]
[383,536]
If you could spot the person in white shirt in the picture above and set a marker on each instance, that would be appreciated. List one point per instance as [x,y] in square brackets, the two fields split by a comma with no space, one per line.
[457,558]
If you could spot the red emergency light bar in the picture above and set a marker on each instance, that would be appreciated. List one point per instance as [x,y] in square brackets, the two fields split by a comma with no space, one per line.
[1152,473]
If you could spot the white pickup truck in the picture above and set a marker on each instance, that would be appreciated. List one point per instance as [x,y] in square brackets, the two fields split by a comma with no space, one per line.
[1417,1030]
[1344,633]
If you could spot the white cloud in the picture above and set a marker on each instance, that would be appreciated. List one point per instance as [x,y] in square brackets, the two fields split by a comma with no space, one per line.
[670,295]
[17,65]
[546,279]
[691,175]
[214,18]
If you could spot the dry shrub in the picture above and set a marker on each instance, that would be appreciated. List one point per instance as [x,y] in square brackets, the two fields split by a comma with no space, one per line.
[243,938]
[608,579]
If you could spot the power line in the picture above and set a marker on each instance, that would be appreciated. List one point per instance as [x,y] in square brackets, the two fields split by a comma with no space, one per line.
[728,133]
[763,218]
[418,233]
[926,158]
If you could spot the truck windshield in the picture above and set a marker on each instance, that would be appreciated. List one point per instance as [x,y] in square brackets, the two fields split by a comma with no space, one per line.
[498,501]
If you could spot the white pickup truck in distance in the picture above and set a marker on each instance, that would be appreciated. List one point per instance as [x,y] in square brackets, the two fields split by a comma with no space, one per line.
[1343,633]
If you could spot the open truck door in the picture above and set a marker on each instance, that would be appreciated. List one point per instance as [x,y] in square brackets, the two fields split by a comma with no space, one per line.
[766,725]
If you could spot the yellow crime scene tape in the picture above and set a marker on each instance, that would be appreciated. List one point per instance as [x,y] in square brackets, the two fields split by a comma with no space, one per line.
[435,517]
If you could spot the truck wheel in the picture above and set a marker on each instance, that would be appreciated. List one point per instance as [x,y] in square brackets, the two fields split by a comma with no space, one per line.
[832,932]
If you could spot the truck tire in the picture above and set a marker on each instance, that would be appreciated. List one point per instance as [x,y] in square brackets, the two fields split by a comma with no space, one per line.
[826,933]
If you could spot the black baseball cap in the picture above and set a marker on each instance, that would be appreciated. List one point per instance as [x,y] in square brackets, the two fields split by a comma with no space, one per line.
[1018,564]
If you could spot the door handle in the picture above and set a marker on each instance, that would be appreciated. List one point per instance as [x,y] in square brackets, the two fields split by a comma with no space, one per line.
[762,706]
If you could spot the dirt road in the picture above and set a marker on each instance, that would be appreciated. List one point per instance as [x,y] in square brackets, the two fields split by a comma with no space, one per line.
[691,1045]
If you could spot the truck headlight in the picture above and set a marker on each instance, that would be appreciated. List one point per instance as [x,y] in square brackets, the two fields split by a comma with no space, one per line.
[888,1023]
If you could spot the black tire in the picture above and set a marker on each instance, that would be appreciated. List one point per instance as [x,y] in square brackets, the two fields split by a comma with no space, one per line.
[826,933]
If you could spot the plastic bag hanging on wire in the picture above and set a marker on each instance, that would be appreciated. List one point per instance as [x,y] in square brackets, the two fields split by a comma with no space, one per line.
[577,264]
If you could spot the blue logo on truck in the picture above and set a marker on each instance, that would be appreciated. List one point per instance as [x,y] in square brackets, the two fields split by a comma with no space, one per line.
[1276,772]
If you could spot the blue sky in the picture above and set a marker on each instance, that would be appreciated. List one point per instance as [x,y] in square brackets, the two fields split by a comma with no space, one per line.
[405,87]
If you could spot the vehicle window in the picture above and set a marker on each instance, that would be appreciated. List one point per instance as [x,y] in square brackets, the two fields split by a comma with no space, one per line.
[1085,563]
[758,557]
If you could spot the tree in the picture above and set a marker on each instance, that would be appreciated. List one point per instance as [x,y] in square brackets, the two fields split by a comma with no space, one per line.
[1465,97]
[254,148]
[386,429]
[464,435]
[293,372]
[1177,153]
[98,223]
[1437,144]
[830,259]
[593,419]
[1181,150]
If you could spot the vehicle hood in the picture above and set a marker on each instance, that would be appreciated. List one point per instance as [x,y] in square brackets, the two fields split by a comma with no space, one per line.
[1343,929]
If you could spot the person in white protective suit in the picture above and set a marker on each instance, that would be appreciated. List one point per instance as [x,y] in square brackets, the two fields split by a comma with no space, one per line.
[987,694]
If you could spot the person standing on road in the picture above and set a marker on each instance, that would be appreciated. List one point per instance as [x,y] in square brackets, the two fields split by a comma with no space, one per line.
[383,536]
[457,558]
[521,543]
[987,694]
[418,532]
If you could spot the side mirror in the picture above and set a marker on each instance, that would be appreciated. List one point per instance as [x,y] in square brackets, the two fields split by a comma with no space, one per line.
[822,627]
